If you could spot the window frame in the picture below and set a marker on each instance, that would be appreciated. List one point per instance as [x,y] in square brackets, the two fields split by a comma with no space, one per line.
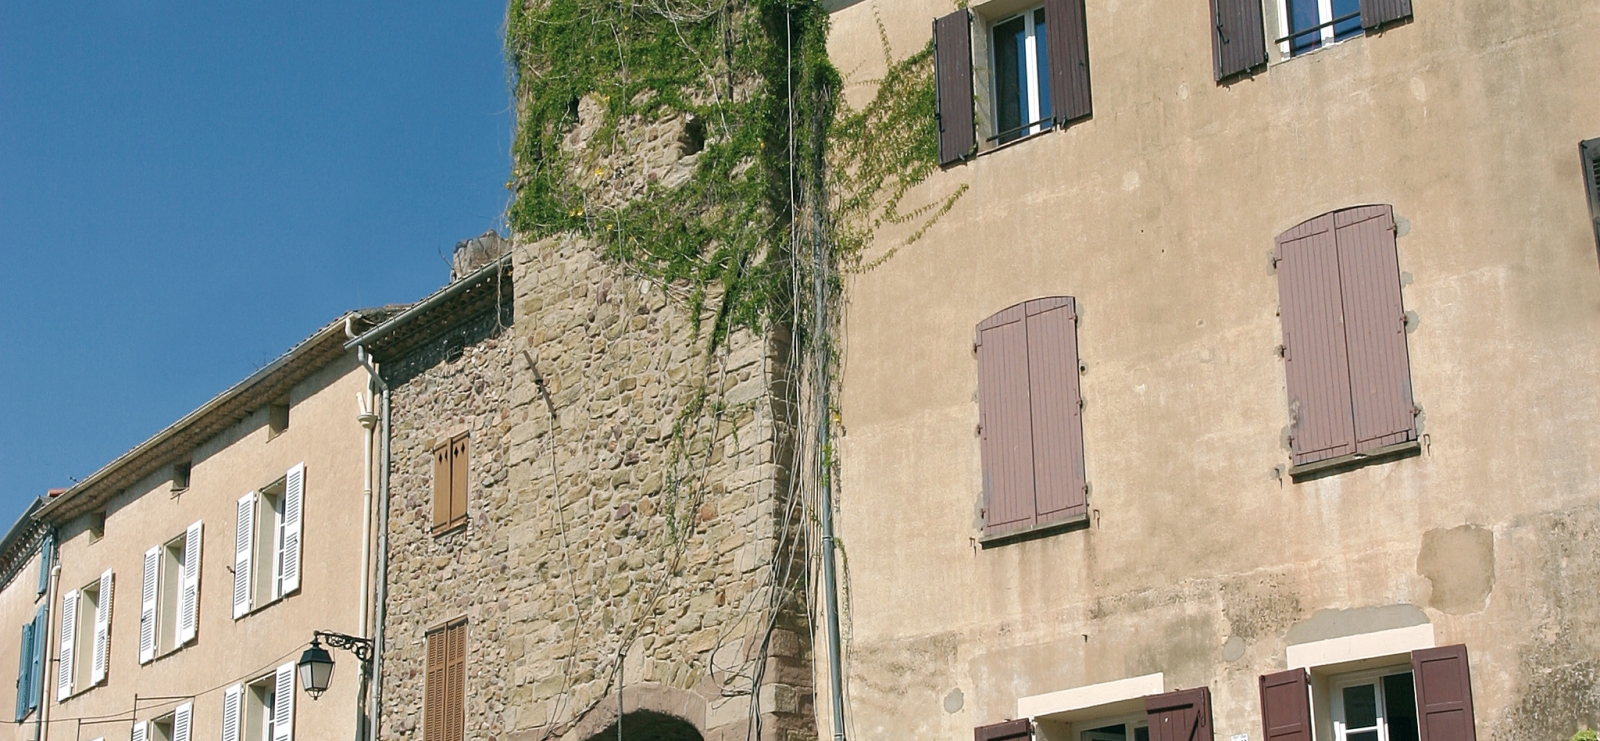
[83,639]
[1131,723]
[1034,120]
[256,716]
[1336,685]
[1326,32]
[169,594]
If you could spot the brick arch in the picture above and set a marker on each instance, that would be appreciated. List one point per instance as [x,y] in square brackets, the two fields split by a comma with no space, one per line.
[649,704]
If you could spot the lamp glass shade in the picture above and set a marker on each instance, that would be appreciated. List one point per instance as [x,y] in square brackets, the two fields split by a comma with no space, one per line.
[316,670]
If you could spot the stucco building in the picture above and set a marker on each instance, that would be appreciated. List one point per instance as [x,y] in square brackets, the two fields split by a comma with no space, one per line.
[1248,388]
[26,559]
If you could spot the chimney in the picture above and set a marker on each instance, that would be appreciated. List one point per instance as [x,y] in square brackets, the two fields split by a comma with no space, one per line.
[472,254]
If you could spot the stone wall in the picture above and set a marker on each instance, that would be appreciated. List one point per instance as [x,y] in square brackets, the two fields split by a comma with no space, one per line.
[626,508]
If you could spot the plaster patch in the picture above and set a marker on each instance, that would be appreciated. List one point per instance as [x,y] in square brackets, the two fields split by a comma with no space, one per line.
[1233,650]
[1130,181]
[954,701]
[1326,624]
[1459,563]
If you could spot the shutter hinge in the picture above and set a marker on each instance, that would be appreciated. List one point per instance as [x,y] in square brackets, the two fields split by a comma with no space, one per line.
[1274,260]
[978,430]
[1283,352]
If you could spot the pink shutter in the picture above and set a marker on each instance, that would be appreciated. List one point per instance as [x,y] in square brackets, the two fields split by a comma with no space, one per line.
[1444,694]
[1005,422]
[1375,328]
[1376,13]
[1060,487]
[1316,363]
[1067,38]
[1183,715]
[1286,706]
[952,63]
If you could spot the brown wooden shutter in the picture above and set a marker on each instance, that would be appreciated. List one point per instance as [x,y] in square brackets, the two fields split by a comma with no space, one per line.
[458,480]
[441,487]
[1286,706]
[1317,367]
[1444,694]
[952,61]
[1005,421]
[1238,37]
[1060,487]
[1067,37]
[1590,153]
[1012,730]
[1375,328]
[1184,715]
[455,683]
[1375,13]
[433,712]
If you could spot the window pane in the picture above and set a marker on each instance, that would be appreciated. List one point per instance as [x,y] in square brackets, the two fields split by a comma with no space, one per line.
[1117,732]
[1362,736]
[1042,47]
[1010,76]
[1400,701]
[1346,29]
[1142,733]
[1361,706]
[1303,15]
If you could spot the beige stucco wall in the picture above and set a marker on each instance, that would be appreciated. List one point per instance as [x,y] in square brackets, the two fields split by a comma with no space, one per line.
[323,433]
[19,602]
[1159,215]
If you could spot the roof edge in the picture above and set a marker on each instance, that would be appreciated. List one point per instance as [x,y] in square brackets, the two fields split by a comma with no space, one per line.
[437,298]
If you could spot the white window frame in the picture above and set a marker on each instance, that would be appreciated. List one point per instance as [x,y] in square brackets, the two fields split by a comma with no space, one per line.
[1339,682]
[1325,36]
[268,555]
[1129,723]
[1031,96]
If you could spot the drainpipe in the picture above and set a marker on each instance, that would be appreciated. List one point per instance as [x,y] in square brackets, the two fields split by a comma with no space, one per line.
[368,421]
[830,580]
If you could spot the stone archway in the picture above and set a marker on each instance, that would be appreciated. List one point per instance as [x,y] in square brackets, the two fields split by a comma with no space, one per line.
[648,725]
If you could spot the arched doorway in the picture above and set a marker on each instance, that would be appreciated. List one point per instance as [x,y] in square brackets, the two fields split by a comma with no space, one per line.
[646,725]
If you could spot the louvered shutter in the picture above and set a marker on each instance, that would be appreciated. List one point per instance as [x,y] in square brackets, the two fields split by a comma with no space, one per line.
[1589,151]
[294,492]
[1375,13]
[1375,328]
[441,488]
[458,481]
[952,62]
[47,557]
[147,609]
[1238,37]
[1444,694]
[456,683]
[141,731]
[24,665]
[1067,38]
[1012,730]
[1184,715]
[1286,706]
[1060,486]
[1316,363]
[69,635]
[182,719]
[189,603]
[102,630]
[1005,422]
[244,544]
[434,687]
[283,707]
[232,712]
[36,678]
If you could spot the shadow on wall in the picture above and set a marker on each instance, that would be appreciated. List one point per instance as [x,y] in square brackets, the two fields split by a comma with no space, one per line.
[645,725]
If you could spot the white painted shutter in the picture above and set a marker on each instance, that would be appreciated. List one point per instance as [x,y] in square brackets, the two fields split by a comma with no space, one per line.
[232,705]
[294,494]
[181,719]
[147,606]
[283,707]
[141,731]
[69,634]
[189,602]
[102,631]
[244,544]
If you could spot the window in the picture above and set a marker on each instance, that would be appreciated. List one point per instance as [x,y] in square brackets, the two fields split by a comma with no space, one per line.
[1347,370]
[1590,152]
[1021,75]
[1135,728]
[262,710]
[444,701]
[1029,423]
[1374,706]
[97,525]
[30,669]
[174,726]
[1308,25]
[450,462]
[85,628]
[170,602]
[266,564]
[277,419]
[1431,697]
[180,476]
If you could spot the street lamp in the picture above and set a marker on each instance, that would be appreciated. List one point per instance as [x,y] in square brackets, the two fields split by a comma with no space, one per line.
[316,665]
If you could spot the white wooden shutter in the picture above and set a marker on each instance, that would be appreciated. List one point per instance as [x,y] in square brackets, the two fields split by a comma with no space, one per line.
[294,491]
[102,631]
[189,602]
[181,719]
[141,731]
[232,706]
[244,544]
[69,634]
[283,704]
[147,606]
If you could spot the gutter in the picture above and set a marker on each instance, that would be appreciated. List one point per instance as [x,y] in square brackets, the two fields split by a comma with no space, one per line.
[471,280]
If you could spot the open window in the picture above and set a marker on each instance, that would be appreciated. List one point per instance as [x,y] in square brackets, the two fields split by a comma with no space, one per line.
[170,601]
[85,646]
[267,530]
[1133,709]
[1426,694]
[260,710]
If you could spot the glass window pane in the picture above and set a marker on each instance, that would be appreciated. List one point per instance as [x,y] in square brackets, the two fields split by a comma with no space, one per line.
[1362,736]
[1142,733]
[1118,732]
[1042,51]
[1010,76]
[1361,706]
[1346,29]
[1400,702]
[1303,15]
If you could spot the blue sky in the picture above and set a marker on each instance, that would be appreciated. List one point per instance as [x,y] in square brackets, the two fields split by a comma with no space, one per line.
[188,188]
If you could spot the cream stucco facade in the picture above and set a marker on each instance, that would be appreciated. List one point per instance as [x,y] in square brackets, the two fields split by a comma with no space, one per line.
[1203,562]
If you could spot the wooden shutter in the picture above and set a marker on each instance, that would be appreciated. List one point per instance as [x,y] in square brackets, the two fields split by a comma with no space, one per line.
[1589,151]
[1375,13]
[1317,366]
[1375,328]
[441,488]
[182,719]
[434,687]
[147,606]
[141,731]
[1020,729]
[47,552]
[244,544]
[1184,715]
[1067,38]
[1286,706]
[952,62]
[455,683]
[294,492]
[1005,422]
[459,476]
[1444,694]
[189,601]
[283,704]
[232,712]
[1238,37]
[102,630]
[69,634]
[41,631]
[24,666]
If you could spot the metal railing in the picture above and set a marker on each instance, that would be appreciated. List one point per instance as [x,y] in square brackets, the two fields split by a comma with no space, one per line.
[1019,129]
[1317,29]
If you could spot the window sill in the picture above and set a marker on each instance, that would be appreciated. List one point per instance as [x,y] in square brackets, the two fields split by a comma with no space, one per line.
[1014,142]
[1343,463]
[441,531]
[1079,522]
[169,652]
[265,605]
